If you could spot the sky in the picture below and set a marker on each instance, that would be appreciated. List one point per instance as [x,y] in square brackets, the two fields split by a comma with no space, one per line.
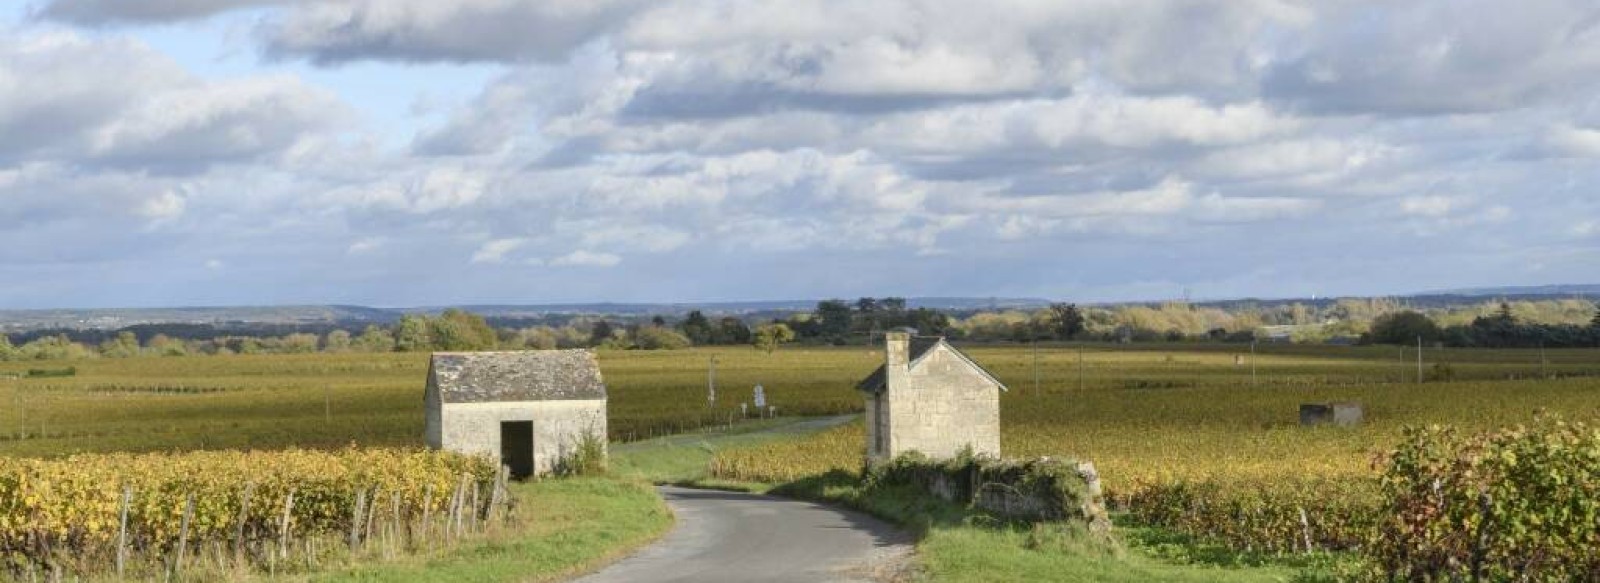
[416,152]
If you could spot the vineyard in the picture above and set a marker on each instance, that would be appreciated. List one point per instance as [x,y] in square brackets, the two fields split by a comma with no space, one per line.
[148,514]
[1200,438]
[1189,441]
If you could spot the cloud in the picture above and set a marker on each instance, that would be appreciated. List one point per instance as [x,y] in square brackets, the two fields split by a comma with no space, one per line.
[1439,57]
[582,258]
[168,205]
[427,31]
[187,129]
[116,102]
[1568,141]
[366,245]
[102,12]
[495,251]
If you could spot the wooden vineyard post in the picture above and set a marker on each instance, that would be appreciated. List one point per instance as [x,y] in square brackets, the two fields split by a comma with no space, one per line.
[472,519]
[283,527]
[1305,529]
[371,510]
[122,530]
[183,537]
[355,518]
[240,520]
[427,511]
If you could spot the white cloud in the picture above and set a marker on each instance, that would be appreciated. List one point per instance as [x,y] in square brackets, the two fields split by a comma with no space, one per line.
[583,258]
[495,251]
[1576,142]
[1433,206]
[425,30]
[165,206]
[366,245]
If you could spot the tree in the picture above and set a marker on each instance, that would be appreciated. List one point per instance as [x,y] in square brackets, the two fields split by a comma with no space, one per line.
[337,341]
[162,345]
[731,330]
[769,336]
[1403,328]
[833,319]
[659,338]
[601,333]
[459,330]
[537,338]
[412,334]
[7,350]
[375,339]
[125,345]
[696,327]
[1595,323]
[1067,320]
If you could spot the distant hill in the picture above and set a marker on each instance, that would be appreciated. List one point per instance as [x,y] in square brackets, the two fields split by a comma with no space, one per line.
[251,317]
[1586,290]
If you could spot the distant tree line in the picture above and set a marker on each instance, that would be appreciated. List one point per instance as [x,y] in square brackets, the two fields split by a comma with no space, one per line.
[1502,329]
[1550,323]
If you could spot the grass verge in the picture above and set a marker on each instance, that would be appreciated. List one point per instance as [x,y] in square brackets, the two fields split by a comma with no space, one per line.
[957,544]
[567,526]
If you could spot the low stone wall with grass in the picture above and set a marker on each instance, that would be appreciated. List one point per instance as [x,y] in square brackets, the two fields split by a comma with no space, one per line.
[1042,489]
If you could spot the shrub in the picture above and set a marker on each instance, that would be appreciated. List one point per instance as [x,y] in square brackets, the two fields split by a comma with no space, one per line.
[1516,504]
[1041,488]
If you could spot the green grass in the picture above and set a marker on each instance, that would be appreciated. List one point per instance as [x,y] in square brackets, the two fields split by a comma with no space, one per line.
[566,527]
[957,544]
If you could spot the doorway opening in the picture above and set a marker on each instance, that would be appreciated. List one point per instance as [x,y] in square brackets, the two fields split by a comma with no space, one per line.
[516,447]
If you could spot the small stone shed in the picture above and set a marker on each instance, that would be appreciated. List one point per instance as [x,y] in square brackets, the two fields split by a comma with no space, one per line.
[931,398]
[528,409]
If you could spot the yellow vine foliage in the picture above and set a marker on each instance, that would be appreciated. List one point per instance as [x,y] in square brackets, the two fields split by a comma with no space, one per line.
[75,502]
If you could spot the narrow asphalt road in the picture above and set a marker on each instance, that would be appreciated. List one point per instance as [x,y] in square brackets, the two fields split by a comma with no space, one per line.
[738,537]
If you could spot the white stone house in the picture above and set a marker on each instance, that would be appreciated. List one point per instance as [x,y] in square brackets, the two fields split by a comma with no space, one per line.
[931,398]
[528,409]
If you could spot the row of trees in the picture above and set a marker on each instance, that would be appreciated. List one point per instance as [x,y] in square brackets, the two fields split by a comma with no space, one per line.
[1503,329]
[841,322]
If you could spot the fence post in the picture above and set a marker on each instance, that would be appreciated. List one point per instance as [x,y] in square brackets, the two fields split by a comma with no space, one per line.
[244,516]
[355,518]
[371,510]
[183,536]
[122,530]
[283,528]
[1305,529]
[427,511]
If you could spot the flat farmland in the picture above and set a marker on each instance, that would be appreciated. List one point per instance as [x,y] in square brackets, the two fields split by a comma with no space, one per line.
[1151,403]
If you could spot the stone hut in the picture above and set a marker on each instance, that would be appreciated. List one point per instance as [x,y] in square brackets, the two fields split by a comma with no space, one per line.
[528,409]
[929,397]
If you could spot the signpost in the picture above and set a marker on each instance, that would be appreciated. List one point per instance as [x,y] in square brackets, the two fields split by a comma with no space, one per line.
[760,399]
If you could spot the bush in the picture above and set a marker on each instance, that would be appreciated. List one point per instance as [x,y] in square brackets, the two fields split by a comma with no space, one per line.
[1517,504]
[1042,488]
[658,338]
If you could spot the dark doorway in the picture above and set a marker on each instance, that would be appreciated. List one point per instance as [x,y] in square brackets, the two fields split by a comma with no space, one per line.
[516,447]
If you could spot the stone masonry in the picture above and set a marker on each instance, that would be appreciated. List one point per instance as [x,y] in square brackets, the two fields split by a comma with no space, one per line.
[931,398]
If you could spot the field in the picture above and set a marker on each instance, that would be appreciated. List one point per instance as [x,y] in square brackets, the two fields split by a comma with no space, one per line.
[1139,411]
[1203,438]
[333,400]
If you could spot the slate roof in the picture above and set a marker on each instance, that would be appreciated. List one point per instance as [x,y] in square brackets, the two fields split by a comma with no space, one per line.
[533,375]
[919,347]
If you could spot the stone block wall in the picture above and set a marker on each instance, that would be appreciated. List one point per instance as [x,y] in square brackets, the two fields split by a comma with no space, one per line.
[945,407]
[558,427]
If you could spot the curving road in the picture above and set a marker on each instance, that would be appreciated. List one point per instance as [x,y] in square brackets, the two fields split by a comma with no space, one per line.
[738,537]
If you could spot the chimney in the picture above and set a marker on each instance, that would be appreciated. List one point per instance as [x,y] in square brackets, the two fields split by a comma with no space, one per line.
[897,352]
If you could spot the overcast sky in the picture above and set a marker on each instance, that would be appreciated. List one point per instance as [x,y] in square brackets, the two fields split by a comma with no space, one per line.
[406,152]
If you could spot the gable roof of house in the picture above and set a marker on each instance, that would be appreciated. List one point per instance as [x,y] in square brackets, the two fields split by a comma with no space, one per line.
[533,375]
[920,347]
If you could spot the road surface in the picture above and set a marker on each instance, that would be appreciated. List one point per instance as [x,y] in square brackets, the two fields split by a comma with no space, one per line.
[738,537]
